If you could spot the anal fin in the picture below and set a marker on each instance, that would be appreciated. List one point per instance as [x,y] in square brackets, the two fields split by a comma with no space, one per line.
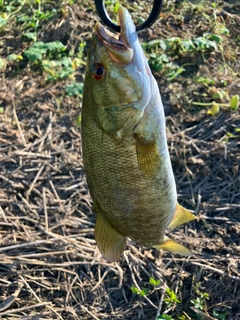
[181,216]
[172,246]
[111,243]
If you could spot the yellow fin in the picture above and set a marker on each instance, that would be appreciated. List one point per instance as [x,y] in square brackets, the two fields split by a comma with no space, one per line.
[111,243]
[181,216]
[172,246]
[148,158]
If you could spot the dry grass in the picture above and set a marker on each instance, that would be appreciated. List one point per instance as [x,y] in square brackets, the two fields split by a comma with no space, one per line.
[50,266]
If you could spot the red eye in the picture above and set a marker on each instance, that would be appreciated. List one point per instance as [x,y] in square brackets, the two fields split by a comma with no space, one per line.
[98,72]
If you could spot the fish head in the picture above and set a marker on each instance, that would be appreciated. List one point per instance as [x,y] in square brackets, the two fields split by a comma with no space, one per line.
[118,80]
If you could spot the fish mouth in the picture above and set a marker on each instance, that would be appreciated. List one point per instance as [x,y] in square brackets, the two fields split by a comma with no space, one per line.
[118,45]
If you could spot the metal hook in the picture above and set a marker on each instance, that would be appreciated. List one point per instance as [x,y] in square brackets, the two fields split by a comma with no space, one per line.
[156,9]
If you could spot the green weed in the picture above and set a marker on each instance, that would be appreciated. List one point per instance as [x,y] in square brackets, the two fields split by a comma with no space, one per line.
[205,81]
[27,13]
[162,53]
[171,298]
[153,284]
[54,59]
[74,89]
[215,106]
[2,64]
[38,50]
[200,301]
[78,121]
[164,317]
[220,315]
[142,292]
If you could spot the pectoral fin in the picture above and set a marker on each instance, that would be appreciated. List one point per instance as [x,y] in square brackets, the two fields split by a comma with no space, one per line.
[172,246]
[111,243]
[148,158]
[181,216]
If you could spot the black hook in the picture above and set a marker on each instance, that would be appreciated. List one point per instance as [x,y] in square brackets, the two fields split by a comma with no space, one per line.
[156,9]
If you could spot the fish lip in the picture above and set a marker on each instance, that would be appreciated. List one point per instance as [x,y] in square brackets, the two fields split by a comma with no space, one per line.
[120,46]
[110,39]
[128,33]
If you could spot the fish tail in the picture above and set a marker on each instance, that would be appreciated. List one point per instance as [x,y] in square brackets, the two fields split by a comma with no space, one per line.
[111,242]
[172,246]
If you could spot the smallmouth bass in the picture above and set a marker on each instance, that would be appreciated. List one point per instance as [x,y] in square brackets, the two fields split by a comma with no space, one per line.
[125,152]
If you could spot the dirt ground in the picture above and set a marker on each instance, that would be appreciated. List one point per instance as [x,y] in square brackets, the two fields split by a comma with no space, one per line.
[50,267]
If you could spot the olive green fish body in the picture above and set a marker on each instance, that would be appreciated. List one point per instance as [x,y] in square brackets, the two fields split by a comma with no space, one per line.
[124,144]
[131,179]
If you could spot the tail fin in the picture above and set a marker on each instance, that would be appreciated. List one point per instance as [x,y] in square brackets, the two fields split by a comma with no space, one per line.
[172,246]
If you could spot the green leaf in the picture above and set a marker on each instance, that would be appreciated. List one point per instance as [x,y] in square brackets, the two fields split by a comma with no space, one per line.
[175,72]
[134,290]
[172,296]
[23,18]
[143,292]
[164,317]
[66,61]
[33,54]
[116,7]
[220,315]
[229,134]
[74,89]
[205,81]
[214,110]
[53,45]
[3,22]
[157,42]
[205,295]
[203,43]
[234,102]
[183,317]
[216,38]
[65,72]
[40,48]
[219,95]
[50,65]
[78,121]
[2,63]
[14,57]
[198,303]
[225,31]
[187,45]
[154,282]
[31,35]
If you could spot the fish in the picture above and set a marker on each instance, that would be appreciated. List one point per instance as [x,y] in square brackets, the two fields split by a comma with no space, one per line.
[124,146]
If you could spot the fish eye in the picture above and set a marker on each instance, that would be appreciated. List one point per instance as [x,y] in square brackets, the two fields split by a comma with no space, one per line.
[98,72]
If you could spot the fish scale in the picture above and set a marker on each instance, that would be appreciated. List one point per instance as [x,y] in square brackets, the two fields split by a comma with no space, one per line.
[112,178]
[125,150]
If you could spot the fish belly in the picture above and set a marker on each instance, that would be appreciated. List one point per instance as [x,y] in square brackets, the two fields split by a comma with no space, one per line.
[138,206]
